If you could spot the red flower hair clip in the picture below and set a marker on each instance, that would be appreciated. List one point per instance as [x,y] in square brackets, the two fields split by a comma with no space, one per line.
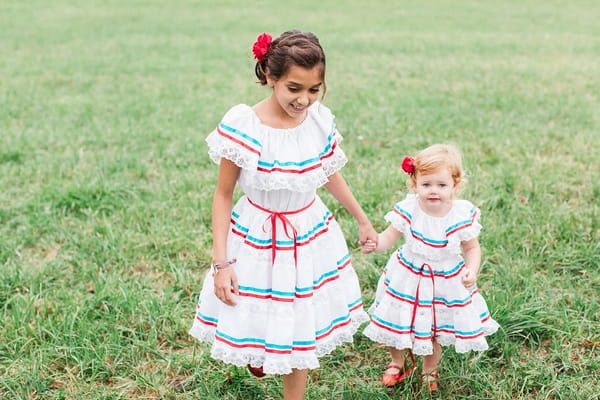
[261,46]
[408,165]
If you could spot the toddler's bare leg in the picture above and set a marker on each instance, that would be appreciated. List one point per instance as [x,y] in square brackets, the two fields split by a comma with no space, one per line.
[294,384]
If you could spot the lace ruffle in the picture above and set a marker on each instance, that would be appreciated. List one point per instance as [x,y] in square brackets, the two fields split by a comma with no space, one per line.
[407,216]
[278,365]
[271,158]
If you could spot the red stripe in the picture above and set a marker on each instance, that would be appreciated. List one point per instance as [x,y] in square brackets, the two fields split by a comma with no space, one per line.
[333,328]
[300,171]
[463,226]
[436,246]
[344,265]
[267,297]
[387,328]
[333,146]
[237,141]
[330,279]
[206,322]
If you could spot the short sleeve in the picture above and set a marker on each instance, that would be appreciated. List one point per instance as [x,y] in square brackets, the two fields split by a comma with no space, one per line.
[236,139]
[333,157]
[401,216]
[466,225]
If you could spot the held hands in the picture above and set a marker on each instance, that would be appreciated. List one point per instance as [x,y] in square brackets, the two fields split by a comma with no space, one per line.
[367,237]
[369,246]
[226,285]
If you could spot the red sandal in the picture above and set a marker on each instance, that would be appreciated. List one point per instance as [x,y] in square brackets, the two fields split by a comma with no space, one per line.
[391,379]
[256,371]
[430,380]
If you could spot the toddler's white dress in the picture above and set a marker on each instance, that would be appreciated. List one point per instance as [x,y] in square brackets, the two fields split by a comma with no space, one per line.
[301,299]
[420,294]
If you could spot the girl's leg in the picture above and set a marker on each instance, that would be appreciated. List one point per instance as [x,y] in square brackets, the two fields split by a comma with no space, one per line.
[430,374]
[397,356]
[294,384]
[431,361]
[394,372]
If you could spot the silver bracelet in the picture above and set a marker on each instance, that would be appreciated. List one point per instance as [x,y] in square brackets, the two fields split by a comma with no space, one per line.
[216,267]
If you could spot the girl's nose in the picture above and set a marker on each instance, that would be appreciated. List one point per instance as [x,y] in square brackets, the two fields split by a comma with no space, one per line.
[303,99]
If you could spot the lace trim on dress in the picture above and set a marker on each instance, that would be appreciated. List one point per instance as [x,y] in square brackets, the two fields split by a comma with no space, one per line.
[453,246]
[310,360]
[298,183]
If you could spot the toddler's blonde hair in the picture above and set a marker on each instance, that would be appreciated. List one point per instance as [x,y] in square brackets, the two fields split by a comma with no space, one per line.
[436,157]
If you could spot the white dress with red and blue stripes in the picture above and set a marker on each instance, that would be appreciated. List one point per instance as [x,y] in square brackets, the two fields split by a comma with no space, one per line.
[299,296]
[420,294]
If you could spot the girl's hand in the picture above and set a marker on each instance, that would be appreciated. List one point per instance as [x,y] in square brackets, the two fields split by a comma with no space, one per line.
[226,284]
[369,246]
[367,233]
[469,278]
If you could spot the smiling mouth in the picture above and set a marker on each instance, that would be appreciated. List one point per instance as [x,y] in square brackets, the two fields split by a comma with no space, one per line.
[298,108]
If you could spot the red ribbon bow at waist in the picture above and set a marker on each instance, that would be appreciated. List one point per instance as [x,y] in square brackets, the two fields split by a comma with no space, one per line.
[288,227]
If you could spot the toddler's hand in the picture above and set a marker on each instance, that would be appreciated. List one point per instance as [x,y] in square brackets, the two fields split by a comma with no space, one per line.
[469,278]
[369,246]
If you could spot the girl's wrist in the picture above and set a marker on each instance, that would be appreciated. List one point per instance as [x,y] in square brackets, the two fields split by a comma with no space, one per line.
[217,266]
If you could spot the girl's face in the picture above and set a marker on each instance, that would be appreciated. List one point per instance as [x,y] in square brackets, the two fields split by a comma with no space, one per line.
[435,192]
[296,91]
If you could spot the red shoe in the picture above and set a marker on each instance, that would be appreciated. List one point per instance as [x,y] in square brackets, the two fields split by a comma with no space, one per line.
[430,380]
[256,371]
[390,378]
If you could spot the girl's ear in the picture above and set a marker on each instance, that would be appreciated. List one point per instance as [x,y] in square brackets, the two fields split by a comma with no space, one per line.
[270,82]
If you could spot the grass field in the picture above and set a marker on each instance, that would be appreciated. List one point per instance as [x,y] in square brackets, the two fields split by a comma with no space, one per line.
[105,184]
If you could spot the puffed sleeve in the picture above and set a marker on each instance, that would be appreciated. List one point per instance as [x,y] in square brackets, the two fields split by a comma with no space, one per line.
[236,138]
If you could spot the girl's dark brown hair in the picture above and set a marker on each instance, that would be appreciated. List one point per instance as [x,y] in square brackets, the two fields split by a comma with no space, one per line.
[291,48]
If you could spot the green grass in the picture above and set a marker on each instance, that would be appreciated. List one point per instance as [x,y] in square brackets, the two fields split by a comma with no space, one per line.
[105,184]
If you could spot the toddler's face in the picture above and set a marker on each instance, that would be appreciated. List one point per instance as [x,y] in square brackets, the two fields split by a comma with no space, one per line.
[435,192]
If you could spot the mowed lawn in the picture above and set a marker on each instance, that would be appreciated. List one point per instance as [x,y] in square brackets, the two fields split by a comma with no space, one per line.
[105,184]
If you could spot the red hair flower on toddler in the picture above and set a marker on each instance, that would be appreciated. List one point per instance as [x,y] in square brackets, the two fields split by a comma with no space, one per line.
[261,46]
[408,165]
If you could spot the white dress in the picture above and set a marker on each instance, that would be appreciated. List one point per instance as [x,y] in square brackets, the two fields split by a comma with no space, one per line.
[302,299]
[420,294]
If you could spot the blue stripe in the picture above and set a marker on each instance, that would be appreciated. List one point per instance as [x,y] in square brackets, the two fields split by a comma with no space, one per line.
[240,340]
[268,345]
[403,211]
[428,240]
[406,296]
[299,238]
[400,327]
[240,133]
[426,271]
[332,323]
[425,302]
[207,318]
[465,222]
[316,228]
[314,160]
[465,333]
[325,276]
[266,291]
[343,259]
[357,301]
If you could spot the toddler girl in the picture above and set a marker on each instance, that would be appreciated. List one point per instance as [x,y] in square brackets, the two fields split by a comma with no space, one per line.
[427,295]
